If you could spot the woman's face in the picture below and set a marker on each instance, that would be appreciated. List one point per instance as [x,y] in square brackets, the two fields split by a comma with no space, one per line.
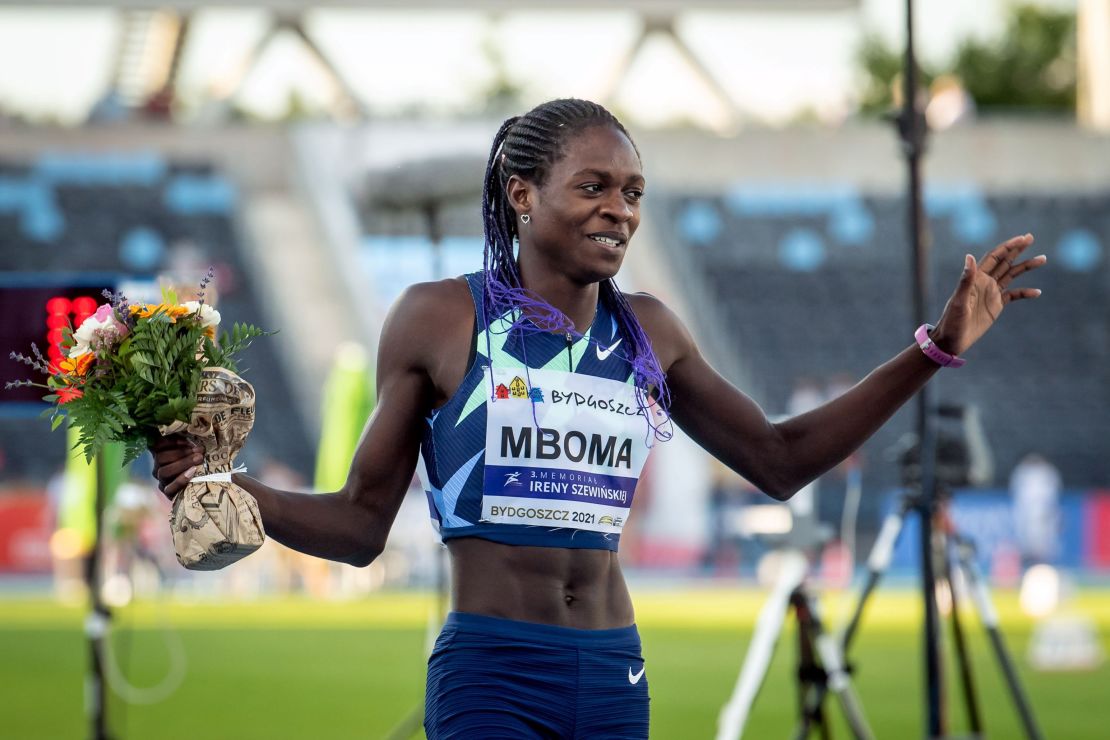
[584,215]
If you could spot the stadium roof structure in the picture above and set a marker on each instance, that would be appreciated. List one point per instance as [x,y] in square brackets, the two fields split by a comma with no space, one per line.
[298,6]
[153,36]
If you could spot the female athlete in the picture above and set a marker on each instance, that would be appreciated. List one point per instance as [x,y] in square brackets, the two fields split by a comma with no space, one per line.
[528,394]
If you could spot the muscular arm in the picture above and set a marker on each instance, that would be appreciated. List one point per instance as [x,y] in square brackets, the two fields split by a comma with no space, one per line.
[781,457]
[351,525]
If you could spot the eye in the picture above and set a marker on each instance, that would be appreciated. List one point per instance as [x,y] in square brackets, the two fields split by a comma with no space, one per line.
[592,187]
[634,195]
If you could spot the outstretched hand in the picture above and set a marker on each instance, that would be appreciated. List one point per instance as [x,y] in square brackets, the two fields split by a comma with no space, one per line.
[983,291]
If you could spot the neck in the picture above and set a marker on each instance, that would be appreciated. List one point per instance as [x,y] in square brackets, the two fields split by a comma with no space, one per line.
[577,300]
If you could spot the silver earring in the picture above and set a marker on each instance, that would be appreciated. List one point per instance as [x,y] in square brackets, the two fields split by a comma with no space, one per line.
[525,218]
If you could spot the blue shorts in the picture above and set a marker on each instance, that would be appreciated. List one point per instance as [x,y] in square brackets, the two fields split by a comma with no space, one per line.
[498,678]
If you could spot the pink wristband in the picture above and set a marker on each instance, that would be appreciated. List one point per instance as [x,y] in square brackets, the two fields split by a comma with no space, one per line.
[932,351]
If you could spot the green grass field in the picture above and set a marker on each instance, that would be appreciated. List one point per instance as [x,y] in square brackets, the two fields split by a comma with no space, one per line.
[289,669]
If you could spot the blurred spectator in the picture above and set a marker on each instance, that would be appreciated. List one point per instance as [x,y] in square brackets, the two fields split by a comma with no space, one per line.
[727,550]
[137,553]
[1035,488]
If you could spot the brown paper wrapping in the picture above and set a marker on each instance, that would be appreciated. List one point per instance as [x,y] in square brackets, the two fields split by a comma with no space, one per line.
[214,523]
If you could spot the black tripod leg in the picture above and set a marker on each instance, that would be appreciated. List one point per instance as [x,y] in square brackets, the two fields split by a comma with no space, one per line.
[812,680]
[989,617]
[971,701]
[877,563]
[832,661]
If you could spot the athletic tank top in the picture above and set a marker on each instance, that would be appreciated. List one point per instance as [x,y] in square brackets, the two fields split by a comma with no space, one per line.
[543,442]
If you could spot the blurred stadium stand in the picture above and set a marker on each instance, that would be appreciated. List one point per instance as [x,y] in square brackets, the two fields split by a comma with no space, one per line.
[814,282]
[136,215]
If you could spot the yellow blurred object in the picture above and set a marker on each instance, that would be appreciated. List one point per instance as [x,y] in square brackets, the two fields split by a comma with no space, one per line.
[145,311]
[77,510]
[66,544]
[348,401]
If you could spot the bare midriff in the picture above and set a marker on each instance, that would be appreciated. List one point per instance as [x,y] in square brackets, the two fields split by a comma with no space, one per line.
[577,588]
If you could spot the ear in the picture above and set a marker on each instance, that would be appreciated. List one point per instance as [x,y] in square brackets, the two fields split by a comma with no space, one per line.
[521,194]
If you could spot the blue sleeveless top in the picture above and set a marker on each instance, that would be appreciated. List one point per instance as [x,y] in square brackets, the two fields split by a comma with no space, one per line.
[543,442]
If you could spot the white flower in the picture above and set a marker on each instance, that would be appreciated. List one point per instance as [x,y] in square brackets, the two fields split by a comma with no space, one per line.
[102,323]
[209,317]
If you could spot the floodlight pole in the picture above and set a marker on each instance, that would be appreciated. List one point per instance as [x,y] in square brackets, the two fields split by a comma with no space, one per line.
[912,130]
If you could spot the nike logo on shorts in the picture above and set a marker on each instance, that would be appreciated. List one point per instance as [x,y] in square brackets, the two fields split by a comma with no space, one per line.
[635,678]
[603,354]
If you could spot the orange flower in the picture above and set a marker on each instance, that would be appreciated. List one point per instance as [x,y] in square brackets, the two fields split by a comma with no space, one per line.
[79,365]
[146,310]
[65,395]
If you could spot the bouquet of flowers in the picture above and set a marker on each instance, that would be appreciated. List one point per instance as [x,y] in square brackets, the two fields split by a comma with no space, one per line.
[133,372]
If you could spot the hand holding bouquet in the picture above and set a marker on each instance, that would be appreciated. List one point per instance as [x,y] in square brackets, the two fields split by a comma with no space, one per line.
[132,373]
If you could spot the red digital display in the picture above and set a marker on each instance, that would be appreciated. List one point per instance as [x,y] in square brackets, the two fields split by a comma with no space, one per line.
[36,315]
[84,305]
[64,312]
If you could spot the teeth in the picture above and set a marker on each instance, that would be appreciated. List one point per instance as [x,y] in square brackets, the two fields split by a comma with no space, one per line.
[606,240]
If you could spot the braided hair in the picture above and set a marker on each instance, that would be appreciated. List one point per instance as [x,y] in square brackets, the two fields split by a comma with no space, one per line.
[528,146]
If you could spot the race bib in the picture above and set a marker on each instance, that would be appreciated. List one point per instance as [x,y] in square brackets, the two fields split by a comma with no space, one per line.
[574,463]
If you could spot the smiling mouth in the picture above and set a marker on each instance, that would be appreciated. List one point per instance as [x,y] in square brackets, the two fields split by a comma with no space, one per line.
[607,241]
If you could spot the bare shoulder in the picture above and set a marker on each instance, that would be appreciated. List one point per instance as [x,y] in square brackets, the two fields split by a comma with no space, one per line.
[428,317]
[649,309]
[433,304]
[669,337]
[436,298]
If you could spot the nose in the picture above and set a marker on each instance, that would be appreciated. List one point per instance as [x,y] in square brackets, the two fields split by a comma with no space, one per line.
[618,209]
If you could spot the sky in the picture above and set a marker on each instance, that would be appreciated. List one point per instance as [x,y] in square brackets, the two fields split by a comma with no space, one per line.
[773,66]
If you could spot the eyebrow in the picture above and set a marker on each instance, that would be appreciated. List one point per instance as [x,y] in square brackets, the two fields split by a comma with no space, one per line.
[604,175]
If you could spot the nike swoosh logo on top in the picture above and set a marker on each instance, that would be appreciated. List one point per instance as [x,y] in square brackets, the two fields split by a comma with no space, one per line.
[603,354]
[635,678]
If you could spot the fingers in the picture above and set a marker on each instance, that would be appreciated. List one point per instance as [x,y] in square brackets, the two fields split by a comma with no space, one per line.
[172,442]
[174,467]
[1000,260]
[970,268]
[177,485]
[171,485]
[1020,294]
[1022,267]
[967,277]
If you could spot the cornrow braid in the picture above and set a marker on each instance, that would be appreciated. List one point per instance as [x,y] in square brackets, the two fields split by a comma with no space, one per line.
[528,146]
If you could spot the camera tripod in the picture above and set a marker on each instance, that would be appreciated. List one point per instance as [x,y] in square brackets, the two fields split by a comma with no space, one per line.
[821,665]
[822,661]
[949,548]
